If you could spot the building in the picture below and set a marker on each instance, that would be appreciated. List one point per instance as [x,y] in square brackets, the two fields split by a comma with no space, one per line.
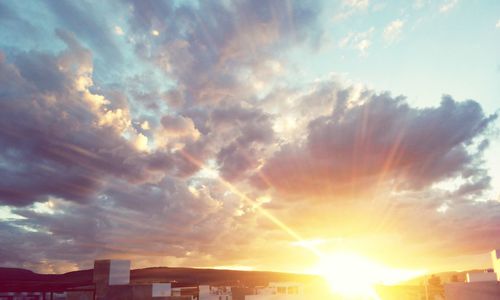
[279,291]
[495,259]
[111,280]
[478,285]
[207,292]
[481,277]
[35,290]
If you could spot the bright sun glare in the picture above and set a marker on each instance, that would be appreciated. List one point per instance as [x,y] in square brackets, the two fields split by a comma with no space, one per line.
[353,276]
[349,275]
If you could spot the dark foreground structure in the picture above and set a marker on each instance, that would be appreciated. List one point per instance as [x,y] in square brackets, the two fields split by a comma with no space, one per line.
[111,281]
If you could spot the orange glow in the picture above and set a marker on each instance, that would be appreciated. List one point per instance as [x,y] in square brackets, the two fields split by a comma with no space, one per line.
[350,275]
[247,199]
[353,276]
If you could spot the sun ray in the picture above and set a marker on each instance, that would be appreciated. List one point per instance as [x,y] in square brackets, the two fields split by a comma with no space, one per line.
[337,268]
[231,187]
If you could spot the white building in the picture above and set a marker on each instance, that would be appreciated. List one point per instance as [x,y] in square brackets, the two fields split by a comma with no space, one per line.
[495,259]
[279,291]
[478,285]
[207,292]
[481,277]
[162,289]
[112,271]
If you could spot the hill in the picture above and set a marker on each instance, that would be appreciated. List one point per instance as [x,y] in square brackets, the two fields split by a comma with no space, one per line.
[19,278]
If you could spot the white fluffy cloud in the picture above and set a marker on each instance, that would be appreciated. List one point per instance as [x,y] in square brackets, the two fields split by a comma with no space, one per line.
[393,31]
[360,41]
[358,4]
[448,5]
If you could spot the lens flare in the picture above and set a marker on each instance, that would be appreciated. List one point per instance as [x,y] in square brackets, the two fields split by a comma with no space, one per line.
[349,275]
[354,277]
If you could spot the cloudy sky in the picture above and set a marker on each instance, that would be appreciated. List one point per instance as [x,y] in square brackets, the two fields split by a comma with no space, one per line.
[241,133]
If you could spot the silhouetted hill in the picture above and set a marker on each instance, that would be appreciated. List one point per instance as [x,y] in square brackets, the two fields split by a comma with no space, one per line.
[19,277]
[17,274]
[12,280]
[214,277]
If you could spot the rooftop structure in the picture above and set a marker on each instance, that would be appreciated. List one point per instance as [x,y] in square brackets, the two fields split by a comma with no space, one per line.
[478,285]
[279,291]
[481,277]
[111,280]
[207,292]
[112,272]
[495,260]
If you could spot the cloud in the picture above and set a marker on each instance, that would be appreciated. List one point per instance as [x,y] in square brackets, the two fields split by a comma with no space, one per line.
[248,142]
[349,8]
[393,31]
[360,41]
[153,224]
[210,59]
[447,5]
[358,4]
[133,160]
[368,160]
[80,18]
[176,131]
[118,30]
[497,24]
[379,140]
[65,240]
[65,139]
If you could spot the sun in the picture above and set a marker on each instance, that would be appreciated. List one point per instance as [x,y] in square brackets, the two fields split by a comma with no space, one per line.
[354,277]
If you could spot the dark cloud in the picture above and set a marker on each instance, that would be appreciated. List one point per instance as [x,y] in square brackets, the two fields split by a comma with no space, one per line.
[65,240]
[39,69]
[454,224]
[177,124]
[251,132]
[208,48]
[181,218]
[53,141]
[380,140]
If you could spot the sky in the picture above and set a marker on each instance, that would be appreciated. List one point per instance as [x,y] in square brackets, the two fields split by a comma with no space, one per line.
[242,134]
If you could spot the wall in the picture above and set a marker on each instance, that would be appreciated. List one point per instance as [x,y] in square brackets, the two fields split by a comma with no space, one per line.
[481,276]
[472,291]
[80,295]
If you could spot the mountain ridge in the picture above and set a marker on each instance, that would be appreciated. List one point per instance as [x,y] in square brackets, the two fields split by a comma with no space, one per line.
[158,274]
